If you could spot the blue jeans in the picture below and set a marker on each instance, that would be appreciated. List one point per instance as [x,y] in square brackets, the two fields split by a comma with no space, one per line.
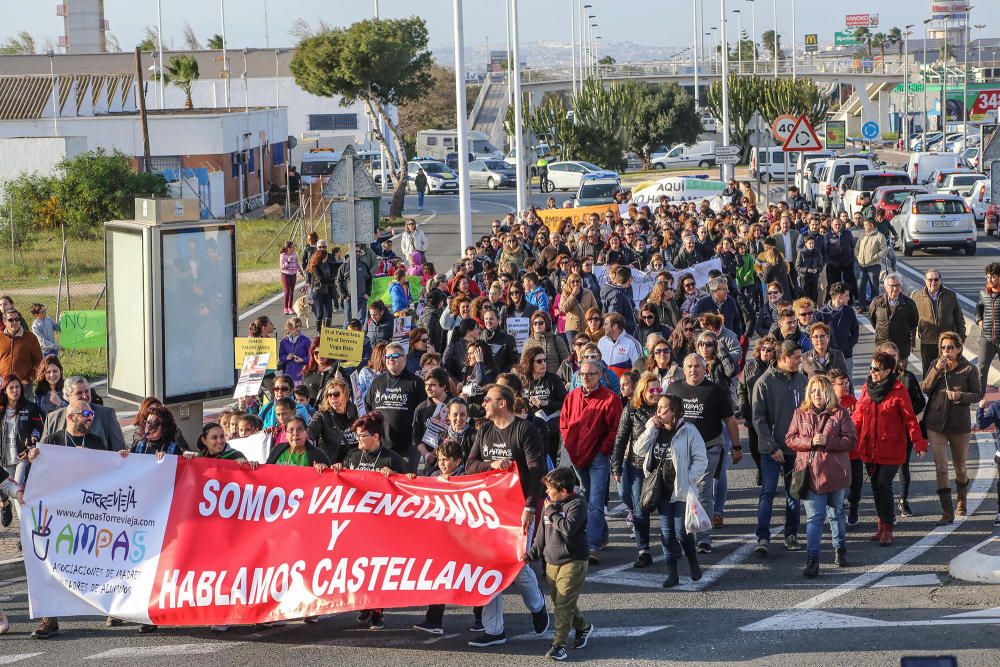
[672,533]
[596,478]
[769,473]
[820,506]
[420,198]
[527,585]
[722,484]
[630,489]
[869,277]
[322,307]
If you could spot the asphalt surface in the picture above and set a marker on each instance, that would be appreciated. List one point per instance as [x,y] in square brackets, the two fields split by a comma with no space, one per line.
[890,602]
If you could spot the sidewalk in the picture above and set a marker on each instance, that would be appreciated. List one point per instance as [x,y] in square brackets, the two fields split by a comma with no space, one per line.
[11,562]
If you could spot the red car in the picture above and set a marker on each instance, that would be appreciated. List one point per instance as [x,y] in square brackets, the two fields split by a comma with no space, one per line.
[889,198]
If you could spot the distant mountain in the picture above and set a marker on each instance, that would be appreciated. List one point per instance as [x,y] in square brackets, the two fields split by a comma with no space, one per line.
[554,54]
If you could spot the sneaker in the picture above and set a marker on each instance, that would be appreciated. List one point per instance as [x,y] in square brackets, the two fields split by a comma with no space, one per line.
[311,620]
[364,616]
[147,628]
[376,621]
[704,547]
[717,521]
[996,521]
[904,508]
[6,514]
[761,548]
[219,628]
[540,621]
[429,628]
[583,636]
[49,627]
[486,639]
[644,560]
[112,622]
[593,559]
[852,517]
[477,626]
[792,543]
[557,653]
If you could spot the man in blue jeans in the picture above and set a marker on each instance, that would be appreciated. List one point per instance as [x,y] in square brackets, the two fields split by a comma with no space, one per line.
[777,393]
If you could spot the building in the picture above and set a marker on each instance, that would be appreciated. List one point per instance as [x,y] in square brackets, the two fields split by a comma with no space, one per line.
[84,26]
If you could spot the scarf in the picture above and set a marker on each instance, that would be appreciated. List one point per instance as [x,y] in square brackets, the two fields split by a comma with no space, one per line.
[457,435]
[877,391]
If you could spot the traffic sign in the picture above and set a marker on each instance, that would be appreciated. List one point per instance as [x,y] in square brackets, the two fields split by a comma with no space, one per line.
[727,159]
[802,137]
[727,150]
[782,126]
[869,130]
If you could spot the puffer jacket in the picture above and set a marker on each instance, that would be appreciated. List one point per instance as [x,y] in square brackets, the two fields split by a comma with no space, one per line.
[882,427]
[988,314]
[944,415]
[570,312]
[555,348]
[830,466]
[630,427]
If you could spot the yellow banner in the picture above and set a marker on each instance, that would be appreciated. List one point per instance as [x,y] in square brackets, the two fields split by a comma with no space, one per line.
[553,217]
[342,345]
[250,346]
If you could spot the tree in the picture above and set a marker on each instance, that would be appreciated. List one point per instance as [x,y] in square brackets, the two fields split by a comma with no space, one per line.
[379,62]
[606,60]
[436,108]
[772,44]
[190,39]
[664,115]
[150,39]
[864,37]
[894,37]
[743,50]
[112,44]
[21,44]
[878,42]
[182,71]
[301,29]
[214,42]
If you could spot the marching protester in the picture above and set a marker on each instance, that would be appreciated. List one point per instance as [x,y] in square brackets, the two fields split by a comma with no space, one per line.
[938,312]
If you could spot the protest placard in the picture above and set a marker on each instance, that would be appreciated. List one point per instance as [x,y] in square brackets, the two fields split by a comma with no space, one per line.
[519,327]
[699,272]
[553,217]
[251,375]
[341,344]
[83,329]
[380,289]
[245,347]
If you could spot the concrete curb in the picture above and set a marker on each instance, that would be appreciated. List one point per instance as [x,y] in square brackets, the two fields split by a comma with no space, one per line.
[979,564]
[11,568]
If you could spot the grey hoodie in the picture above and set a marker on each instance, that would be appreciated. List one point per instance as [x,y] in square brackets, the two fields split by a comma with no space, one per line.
[775,397]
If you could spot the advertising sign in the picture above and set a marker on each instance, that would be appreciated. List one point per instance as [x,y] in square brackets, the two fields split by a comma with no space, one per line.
[812,43]
[861,21]
[676,189]
[836,134]
[985,102]
[845,38]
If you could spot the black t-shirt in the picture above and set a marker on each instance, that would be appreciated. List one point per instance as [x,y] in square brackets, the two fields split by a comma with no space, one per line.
[705,406]
[430,416]
[548,389]
[358,459]
[89,441]
[519,442]
[397,399]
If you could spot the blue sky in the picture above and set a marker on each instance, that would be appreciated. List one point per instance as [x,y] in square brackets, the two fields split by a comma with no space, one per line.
[647,22]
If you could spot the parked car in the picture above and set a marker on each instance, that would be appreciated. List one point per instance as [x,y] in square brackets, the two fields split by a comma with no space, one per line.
[596,190]
[935,221]
[938,178]
[708,123]
[979,199]
[805,168]
[889,198]
[768,164]
[440,178]
[492,174]
[960,183]
[917,143]
[865,181]
[970,157]
[920,165]
[833,169]
[569,174]
[701,154]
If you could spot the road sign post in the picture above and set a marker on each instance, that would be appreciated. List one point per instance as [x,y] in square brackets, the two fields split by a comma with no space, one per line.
[727,154]
[802,138]
[781,128]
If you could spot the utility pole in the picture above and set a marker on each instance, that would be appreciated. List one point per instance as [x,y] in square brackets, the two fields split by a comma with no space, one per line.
[965,82]
[739,41]
[522,183]
[694,53]
[795,43]
[159,47]
[774,38]
[225,58]
[141,95]
[753,29]
[55,106]
[923,84]
[906,86]
[726,168]
[572,40]
[461,123]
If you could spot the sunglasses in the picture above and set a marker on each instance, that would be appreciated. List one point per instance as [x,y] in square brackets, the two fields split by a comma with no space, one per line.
[89,413]
[334,394]
[662,351]
[767,350]
[773,293]
[540,360]
[656,391]
[425,339]
[591,357]
[394,355]
[706,343]
[876,369]
[149,424]
[593,319]
[278,388]
[948,347]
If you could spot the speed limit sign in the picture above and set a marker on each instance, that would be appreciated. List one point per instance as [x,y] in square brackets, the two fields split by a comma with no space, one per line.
[782,127]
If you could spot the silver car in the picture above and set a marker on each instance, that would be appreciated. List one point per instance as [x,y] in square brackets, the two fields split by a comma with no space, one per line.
[492,174]
[935,221]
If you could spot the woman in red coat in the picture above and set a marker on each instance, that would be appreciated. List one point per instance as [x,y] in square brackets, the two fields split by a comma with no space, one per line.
[883,418]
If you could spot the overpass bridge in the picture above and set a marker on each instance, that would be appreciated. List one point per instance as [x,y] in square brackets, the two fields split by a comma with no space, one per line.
[870,81]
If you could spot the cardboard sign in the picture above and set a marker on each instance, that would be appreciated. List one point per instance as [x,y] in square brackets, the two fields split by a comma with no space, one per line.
[245,347]
[251,375]
[83,329]
[341,344]
[553,217]
[519,327]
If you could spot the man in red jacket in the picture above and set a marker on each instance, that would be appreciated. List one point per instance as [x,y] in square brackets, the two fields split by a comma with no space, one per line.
[589,422]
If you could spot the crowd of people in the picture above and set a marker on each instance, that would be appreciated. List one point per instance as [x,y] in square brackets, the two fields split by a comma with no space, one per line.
[624,348]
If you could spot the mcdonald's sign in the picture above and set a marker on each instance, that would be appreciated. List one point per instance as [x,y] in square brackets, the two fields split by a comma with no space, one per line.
[812,42]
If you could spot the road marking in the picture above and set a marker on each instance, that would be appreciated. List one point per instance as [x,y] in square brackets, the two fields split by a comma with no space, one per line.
[265,304]
[908,580]
[824,620]
[169,649]
[977,492]
[982,613]
[634,631]
[10,659]
[353,637]
[919,279]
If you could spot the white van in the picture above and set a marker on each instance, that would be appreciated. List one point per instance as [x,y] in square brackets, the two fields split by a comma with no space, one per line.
[768,164]
[829,175]
[701,154]
[921,165]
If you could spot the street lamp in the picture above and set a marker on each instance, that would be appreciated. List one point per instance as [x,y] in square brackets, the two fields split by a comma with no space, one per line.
[980,27]
[52,77]
[583,39]
[923,81]
[593,58]
[522,183]
[461,122]
[739,41]
[906,86]
[159,46]
[753,31]
[726,168]
[965,80]
[715,42]
[774,37]
[694,50]
[795,42]
[597,64]
[590,43]
[572,39]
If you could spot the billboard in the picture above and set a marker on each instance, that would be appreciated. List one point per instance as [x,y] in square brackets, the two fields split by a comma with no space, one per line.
[845,38]
[941,9]
[861,21]
[812,43]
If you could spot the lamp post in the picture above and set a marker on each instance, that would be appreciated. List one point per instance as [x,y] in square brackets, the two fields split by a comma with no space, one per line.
[52,77]
[715,43]
[795,43]
[753,30]
[522,184]
[590,44]
[774,38]
[159,47]
[593,58]
[906,87]
[461,124]
[572,39]
[965,80]
[597,63]
[980,27]
[739,41]
[583,40]
[225,58]
[726,168]
[694,51]
[923,81]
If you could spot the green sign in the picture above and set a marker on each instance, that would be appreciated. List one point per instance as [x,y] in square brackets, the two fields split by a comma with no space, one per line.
[845,38]
[83,329]
[380,290]
[835,132]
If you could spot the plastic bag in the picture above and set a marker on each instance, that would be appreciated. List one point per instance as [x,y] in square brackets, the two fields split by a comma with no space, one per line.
[696,519]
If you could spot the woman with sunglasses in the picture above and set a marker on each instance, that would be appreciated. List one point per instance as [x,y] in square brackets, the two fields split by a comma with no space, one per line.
[689,295]
[572,305]
[542,335]
[21,428]
[883,418]
[544,393]
[627,464]
[420,344]
[594,328]
[764,356]
[649,324]
[479,371]
[683,337]
[952,385]
[660,360]
[515,304]
[919,402]
[330,427]
[159,434]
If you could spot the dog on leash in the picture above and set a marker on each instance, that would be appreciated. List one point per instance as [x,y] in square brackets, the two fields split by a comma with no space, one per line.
[302,308]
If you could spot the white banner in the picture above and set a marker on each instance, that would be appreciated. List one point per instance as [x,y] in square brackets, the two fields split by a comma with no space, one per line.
[94,545]
[678,189]
[519,327]
[699,272]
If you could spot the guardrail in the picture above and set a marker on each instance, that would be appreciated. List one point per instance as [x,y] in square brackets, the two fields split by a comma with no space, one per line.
[483,91]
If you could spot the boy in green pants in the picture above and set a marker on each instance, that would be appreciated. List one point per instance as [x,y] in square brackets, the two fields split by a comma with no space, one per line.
[562,541]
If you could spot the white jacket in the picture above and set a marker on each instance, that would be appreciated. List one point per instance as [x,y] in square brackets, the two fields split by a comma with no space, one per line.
[411,243]
[687,451]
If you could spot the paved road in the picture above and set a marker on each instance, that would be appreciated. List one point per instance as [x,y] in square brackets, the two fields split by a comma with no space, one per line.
[890,602]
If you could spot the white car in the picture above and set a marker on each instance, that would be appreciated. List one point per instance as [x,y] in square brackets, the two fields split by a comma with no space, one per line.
[978,199]
[935,221]
[440,178]
[960,184]
[568,175]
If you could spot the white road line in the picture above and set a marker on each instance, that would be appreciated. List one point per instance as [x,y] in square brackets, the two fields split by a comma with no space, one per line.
[909,580]
[980,486]
[982,613]
[169,649]
[919,279]
[16,657]
[265,304]
[825,620]
[604,633]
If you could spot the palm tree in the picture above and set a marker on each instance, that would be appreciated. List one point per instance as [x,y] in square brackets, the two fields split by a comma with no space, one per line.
[182,71]
[150,40]
[894,37]
[877,41]
[772,44]
[191,40]
[864,36]
[21,44]
[215,42]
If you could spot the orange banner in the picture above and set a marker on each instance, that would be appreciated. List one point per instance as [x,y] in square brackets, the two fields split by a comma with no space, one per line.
[553,217]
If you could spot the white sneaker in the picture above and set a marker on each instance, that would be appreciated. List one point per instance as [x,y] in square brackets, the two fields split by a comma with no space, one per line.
[219,628]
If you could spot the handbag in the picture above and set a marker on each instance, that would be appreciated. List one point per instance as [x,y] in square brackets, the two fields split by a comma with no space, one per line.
[652,489]
[800,480]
